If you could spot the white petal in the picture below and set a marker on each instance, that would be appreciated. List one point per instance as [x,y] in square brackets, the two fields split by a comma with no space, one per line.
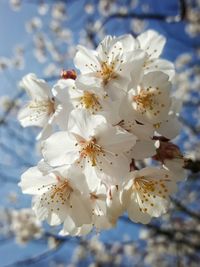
[36,88]
[105,47]
[152,42]
[114,206]
[116,166]
[76,177]
[81,122]
[129,43]
[170,128]
[31,117]
[45,133]
[59,149]
[81,211]
[71,229]
[176,166]
[136,215]
[119,140]
[135,65]
[34,182]
[60,89]
[90,80]
[161,65]
[86,60]
[50,209]
[157,79]
[92,176]
[143,149]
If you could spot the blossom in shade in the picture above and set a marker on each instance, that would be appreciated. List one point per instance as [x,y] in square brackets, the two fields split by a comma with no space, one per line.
[150,100]
[146,193]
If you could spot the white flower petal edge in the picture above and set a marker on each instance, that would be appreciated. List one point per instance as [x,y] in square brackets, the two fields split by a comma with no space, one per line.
[152,42]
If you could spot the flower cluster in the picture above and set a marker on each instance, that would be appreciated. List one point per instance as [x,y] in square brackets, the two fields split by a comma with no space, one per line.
[97,127]
[24,225]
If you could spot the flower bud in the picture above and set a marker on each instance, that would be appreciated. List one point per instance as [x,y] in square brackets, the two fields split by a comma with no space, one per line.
[68,74]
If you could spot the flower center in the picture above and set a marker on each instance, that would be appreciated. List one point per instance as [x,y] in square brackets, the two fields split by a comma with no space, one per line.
[107,72]
[62,191]
[90,101]
[144,185]
[150,188]
[149,100]
[91,150]
[144,100]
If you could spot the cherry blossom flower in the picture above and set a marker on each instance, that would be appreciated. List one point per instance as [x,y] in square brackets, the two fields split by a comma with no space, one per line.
[146,193]
[40,110]
[57,195]
[74,95]
[87,144]
[151,99]
[45,108]
[108,66]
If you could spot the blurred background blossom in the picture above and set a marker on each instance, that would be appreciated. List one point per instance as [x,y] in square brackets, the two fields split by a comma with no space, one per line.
[41,37]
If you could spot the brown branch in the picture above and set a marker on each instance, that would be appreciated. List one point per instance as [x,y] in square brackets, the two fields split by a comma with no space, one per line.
[193,166]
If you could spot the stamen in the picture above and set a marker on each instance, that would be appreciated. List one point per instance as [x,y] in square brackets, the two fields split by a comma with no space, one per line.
[107,72]
[147,100]
[63,191]
[90,149]
[90,101]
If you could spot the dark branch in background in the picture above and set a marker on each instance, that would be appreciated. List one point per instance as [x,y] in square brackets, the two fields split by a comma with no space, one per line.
[185,209]
[151,16]
[42,256]
[192,128]
[183,9]
[193,166]
[11,106]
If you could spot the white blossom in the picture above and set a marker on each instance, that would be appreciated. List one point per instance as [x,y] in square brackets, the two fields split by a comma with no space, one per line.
[109,66]
[25,225]
[87,144]
[59,195]
[146,193]
[150,100]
